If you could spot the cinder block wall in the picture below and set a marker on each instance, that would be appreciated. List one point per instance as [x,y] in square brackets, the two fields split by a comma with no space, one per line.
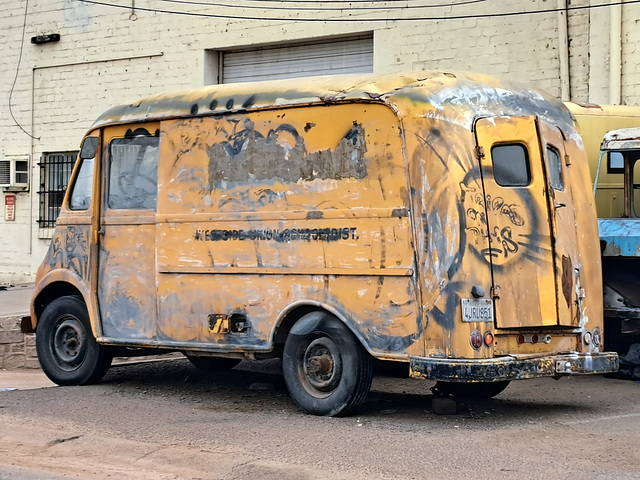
[17,350]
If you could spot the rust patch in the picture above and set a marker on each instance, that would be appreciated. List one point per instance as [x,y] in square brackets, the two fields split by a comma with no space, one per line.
[567,279]
[282,155]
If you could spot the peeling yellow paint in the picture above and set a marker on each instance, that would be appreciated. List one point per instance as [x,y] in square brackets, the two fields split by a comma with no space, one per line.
[373,199]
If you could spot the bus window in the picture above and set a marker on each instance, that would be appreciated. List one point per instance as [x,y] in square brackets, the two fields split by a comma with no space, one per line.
[635,210]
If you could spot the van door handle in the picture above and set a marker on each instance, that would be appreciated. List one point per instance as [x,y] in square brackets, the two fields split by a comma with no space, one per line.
[560,205]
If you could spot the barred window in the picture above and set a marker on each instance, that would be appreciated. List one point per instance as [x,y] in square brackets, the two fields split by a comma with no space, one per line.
[55,172]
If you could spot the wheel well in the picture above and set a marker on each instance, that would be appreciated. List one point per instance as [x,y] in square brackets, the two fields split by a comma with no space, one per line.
[287,323]
[290,319]
[52,292]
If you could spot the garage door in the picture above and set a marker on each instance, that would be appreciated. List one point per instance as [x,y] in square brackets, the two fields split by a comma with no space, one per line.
[351,55]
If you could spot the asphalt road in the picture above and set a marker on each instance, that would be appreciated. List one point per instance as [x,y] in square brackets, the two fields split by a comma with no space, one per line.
[166,420]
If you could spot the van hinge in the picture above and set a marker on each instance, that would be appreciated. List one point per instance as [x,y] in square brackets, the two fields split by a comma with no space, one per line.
[479,152]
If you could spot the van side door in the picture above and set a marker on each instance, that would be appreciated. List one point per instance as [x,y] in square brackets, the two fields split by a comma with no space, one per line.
[127,258]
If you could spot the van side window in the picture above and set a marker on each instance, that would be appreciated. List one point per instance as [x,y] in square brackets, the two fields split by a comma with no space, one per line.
[511,165]
[81,190]
[133,173]
[555,168]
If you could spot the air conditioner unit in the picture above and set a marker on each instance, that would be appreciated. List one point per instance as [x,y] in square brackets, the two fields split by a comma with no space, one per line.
[14,173]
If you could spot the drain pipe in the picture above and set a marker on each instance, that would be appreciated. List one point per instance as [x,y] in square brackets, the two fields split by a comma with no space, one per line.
[615,55]
[563,50]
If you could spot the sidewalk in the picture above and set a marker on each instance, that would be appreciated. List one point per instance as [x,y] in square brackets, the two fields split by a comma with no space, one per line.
[14,301]
[23,379]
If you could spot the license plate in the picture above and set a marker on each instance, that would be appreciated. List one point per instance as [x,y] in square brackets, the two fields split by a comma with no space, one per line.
[477,310]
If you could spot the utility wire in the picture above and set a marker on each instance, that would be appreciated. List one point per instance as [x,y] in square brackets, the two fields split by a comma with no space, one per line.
[357,19]
[15,80]
[323,9]
[344,1]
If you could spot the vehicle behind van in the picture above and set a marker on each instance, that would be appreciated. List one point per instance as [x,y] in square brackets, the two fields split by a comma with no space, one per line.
[620,241]
[438,221]
[594,122]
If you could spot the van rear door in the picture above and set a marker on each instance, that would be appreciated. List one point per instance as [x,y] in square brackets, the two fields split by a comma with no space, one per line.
[525,245]
[563,224]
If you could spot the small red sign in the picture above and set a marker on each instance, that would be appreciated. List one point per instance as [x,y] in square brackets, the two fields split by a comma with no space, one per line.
[9,208]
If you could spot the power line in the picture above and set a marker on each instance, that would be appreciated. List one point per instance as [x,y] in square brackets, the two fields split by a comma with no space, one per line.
[15,80]
[323,9]
[357,19]
[343,1]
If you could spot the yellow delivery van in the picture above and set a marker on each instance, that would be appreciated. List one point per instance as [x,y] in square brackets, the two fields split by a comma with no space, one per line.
[444,222]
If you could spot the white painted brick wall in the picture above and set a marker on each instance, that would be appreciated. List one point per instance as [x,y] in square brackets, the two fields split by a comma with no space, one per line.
[631,55]
[64,86]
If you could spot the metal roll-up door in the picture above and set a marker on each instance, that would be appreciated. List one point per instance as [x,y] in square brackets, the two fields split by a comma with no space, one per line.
[350,55]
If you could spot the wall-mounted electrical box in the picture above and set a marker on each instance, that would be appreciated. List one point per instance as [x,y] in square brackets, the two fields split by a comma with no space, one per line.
[14,174]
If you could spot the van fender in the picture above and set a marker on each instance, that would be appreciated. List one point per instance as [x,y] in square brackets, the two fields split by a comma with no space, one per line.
[289,311]
[75,282]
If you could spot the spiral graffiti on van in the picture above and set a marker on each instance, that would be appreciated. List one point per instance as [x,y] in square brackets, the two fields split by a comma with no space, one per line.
[500,229]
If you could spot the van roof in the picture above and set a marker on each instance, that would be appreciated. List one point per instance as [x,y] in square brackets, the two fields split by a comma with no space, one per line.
[622,139]
[596,110]
[458,97]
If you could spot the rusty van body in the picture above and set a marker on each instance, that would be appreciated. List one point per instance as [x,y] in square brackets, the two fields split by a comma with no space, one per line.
[444,222]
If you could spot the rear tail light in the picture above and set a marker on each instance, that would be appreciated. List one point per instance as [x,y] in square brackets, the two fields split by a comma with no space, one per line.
[488,339]
[596,337]
[476,339]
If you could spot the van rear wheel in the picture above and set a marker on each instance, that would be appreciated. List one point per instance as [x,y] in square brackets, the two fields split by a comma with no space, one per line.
[326,369]
[471,390]
[67,350]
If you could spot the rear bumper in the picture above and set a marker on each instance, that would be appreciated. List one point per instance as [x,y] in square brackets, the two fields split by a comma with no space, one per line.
[513,368]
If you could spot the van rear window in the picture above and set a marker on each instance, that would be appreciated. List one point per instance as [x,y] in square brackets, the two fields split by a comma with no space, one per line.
[511,165]
[554,165]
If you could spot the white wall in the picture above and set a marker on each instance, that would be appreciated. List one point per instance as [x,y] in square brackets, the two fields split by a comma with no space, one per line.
[105,58]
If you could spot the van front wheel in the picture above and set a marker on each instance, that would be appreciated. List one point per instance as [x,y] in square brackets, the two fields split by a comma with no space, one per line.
[67,351]
[326,370]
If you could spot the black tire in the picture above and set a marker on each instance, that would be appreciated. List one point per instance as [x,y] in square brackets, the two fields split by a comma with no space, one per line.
[67,351]
[212,364]
[326,369]
[471,390]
